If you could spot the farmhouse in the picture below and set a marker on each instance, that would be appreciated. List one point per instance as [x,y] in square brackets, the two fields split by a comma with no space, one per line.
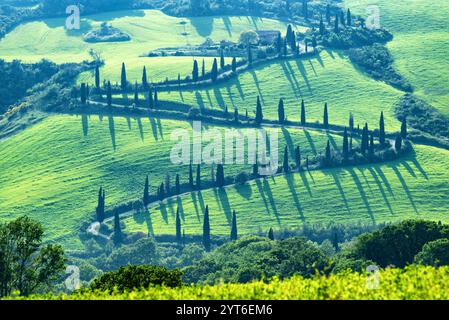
[268,37]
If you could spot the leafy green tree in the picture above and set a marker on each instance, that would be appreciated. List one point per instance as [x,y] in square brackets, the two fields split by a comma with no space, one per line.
[144,78]
[26,265]
[259,113]
[281,111]
[382,129]
[195,71]
[434,253]
[397,244]
[234,233]
[97,77]
[146,192]
[178,227]
[326,116]
[206,230]
[303,113]
[123,80]
[133,277]
[286,164]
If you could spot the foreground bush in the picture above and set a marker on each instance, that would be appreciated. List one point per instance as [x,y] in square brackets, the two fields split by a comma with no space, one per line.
[412,283]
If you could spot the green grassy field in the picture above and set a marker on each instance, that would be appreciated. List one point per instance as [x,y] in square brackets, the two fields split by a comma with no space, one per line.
[52,170]
[420,45]
[415,187]
[149,30]
[331,78]
[413,283]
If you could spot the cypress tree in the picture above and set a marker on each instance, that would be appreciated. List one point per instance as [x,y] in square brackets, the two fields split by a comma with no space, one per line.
[285,47]
[234,234]
[322,27]
[255,170]
[345,146]
[314,43]
[117,228]
[307,162]
[236,115]
[305,10]
[83,93]
[162,191]
[123,81]
[195,71]
[325,117]
[214,72]
[198,177]
[351,122]
[87,92]
[97,77]
[281,111]
[371,148]
[203,70]
[293,42]
[156,99]
[150,99]
[234,64]
[365,139]
[191,176]
[136,95]
[167,185]
[220,180]
[404,128]
[328,155]
[144,78]
[259,113]
[250,56]
[271,234]
[146,192]
[109,94]
[279,44]
[303,113]
[342,18]
[382,129]
[178,185]
[206,230]
[298,157]
[178,227]
[336,27]
[100,206]
[349,18]
[398,143]
[328,14]
[222,60]
[289,33]
[286,165]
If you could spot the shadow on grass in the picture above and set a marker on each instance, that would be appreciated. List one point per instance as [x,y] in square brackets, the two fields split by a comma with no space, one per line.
[381,189]
[291,186]
[112,131]
[362,194]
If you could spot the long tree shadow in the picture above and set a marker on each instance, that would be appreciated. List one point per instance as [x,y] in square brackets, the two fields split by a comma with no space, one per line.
[128,121]
[262,194]
[199,100]
[303,72]
[203,25]
[164,213]
[362,194]
[385,181]
[139,123]
[226,207]
[159,126]
[332,141]
[256,82]
[239,88]
[381,189]
[340,190]
[231,98]
[154,129]
[148,221]
[291,186]
[289,141]
[405,187]
[201,201]
[267,190]
[289,78]
[293,75]
[195,204]
[310,141]
[245,190]
[112,131]
[219,98]
[305,182]
[366,180]
[228,25]
[420,168]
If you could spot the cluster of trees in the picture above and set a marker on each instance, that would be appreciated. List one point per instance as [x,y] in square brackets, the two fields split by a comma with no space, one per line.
[26,265]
